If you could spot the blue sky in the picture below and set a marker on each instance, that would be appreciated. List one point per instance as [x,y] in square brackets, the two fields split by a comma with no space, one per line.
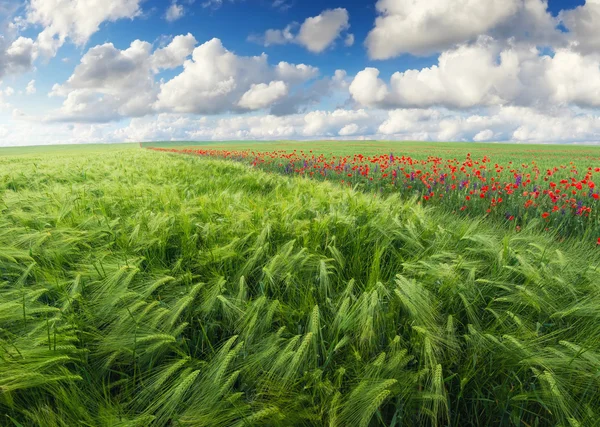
[507,70]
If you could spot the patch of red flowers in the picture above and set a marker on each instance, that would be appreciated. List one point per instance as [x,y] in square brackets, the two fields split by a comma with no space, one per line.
[564,196]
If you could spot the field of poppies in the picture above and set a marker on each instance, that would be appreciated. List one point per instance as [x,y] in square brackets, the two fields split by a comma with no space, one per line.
[558,193]
[268,288]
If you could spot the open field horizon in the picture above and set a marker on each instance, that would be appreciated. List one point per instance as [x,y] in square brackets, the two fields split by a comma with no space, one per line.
[324,145]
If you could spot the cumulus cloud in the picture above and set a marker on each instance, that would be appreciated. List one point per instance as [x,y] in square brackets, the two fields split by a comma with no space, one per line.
[349,41]
[316,33]
[426,27]
[110,84]
[487,74]
[275,37]
[484,135]
[216,80]
[331,123]
[582,23]
[262,95]
[519,124]
[295,73]
[368,89]
[305,96]
[174,12]
[351,129]
[174,54]
[75,19]
[16,56]
[316,124]
[319,32]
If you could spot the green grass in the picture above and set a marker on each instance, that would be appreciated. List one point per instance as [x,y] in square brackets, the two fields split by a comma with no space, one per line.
[417,149]
[51,150]
[500,185]
[139,288]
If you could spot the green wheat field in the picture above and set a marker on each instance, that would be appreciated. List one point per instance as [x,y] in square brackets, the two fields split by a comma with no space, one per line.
[143,288]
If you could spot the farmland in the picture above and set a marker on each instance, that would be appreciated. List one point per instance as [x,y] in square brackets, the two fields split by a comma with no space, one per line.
[552,187]
[140,287]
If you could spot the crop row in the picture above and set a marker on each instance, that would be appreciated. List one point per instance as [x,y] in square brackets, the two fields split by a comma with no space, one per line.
[564,198]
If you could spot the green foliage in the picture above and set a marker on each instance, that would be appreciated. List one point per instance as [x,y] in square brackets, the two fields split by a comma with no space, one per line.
[139,289]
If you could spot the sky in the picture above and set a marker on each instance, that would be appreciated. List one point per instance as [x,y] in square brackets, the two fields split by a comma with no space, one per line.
[88,71]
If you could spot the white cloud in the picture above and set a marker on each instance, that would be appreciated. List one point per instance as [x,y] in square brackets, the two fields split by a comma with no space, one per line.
[504,72]
[583,22]
[486,74]
[368,89]
[17,53]
[407,121]
[215,80]
[295,73]
[331,123]
[23,129]
[274,37]
[316,33]
[167,126]
[75,19]
[9,91]
[110,84]
[174,12]
[16,56]
[351,129]
[174,54]
[334,89]
[349,41]
[426,27]
[319,32]
[521,124]
[30,89]
[484,135]
[406,26]
[262,95]
[316,124]
[518,124]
